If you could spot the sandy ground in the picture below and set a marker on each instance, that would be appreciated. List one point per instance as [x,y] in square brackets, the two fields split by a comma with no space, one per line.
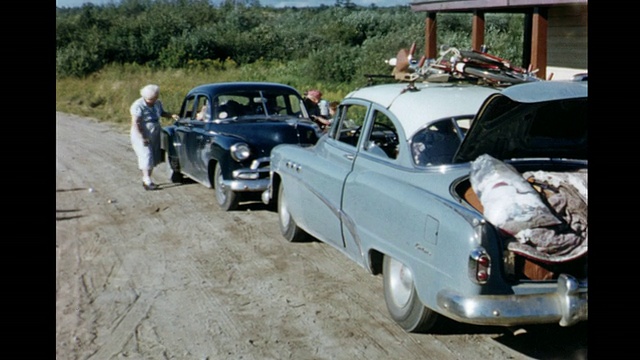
[166,275]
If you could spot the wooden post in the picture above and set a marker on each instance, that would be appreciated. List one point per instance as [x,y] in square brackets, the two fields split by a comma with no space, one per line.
[430,46]
[477,30]
[527,37]
[539,41]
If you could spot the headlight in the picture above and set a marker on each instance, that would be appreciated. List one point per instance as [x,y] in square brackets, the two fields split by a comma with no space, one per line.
[240,151]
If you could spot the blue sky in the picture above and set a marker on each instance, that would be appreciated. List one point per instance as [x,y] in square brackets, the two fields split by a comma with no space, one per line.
[274,3]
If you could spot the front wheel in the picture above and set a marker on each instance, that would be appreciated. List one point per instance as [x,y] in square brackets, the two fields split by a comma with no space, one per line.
[226,198]
[288,226]
[402,299]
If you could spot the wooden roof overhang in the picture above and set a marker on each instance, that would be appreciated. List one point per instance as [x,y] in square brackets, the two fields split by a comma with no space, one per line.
[536,12]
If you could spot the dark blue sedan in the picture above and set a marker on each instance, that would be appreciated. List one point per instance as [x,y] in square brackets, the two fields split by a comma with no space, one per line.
[225,134]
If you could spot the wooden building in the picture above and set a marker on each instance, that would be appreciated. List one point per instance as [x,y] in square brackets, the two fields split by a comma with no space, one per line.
[555,40]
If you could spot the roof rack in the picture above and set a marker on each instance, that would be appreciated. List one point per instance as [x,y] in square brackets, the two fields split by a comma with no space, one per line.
[454,65]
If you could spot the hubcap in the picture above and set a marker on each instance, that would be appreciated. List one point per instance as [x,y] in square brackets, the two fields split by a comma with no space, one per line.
[400,282]
[283,211]
[220,189]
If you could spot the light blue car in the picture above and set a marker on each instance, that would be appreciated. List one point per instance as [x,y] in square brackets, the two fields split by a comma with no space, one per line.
[389,186]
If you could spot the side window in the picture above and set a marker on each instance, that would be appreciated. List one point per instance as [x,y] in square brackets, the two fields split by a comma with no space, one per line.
[275,104]
[187,109]
[292,104]
[203,109]
[383,138]
[351,119]
[435,144]
[229,106]
[464,123]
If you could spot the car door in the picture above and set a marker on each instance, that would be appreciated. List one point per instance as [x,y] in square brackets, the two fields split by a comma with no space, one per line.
[186,138]
[200,140]
[371,197]
[323,196]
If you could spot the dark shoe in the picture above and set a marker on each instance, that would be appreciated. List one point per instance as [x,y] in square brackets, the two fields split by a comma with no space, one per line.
[151,186]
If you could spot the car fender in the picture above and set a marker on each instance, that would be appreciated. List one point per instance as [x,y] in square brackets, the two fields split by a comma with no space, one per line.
[166,141]
[435,235]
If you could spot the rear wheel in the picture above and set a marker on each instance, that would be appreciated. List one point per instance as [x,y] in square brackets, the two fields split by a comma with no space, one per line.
[226,198]
[402,299]
[288,226]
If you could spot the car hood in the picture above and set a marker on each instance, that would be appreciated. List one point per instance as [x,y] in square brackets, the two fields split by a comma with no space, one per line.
[265,133]
[546,119]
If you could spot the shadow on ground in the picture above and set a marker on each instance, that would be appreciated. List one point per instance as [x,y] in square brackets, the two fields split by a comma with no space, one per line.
[548,341]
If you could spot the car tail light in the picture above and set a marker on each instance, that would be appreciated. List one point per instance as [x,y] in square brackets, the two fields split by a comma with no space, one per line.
[479,266]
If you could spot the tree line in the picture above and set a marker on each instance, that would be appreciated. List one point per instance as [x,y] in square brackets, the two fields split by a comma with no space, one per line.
[325,43]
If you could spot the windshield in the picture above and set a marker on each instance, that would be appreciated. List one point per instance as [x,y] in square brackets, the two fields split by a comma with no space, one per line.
[251,103]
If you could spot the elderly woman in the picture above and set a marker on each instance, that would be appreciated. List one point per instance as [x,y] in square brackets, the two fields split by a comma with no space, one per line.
[145,131]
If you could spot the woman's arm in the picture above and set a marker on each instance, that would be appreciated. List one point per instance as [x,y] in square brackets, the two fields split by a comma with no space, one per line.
[169,115]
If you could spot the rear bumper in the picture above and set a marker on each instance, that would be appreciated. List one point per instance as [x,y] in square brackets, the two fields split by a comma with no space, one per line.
[567,306]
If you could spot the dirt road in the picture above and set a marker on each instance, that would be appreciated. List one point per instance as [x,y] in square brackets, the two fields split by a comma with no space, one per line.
[166,275]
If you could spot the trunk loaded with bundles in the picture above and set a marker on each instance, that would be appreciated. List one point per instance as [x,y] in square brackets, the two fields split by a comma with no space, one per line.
[541,215]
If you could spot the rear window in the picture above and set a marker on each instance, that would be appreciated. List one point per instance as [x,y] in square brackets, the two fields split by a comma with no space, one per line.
[437,143]
[565,119]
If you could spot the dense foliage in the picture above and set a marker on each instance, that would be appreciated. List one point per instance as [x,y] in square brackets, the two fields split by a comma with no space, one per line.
[105,54]
[331,44]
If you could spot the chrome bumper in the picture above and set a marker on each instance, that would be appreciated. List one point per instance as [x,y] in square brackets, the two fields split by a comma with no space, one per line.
[567,306]
[251,178]
[246,185]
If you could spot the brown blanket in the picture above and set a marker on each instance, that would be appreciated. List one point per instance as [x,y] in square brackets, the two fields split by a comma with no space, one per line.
[566,193]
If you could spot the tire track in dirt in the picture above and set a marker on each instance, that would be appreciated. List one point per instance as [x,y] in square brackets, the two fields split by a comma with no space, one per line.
[124,327]
[325,278]
[103,253]
[205,286]
[333,274]
[129,298]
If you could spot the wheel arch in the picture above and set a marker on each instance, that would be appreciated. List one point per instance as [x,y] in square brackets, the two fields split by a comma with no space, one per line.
[166,141]
[275,187]
[375,261]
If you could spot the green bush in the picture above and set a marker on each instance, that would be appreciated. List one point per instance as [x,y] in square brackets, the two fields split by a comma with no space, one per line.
[77,61]
[177,33]
[181,43]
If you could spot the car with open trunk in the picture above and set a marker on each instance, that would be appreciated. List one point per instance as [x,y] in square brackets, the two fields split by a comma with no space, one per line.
[470,201]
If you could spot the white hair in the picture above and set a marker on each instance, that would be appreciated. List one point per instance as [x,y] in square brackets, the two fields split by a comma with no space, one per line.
[150,91]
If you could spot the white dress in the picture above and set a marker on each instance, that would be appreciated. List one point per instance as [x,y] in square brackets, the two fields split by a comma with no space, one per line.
[151,155]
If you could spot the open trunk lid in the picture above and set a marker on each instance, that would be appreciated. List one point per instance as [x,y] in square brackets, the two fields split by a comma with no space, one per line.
[534,120]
